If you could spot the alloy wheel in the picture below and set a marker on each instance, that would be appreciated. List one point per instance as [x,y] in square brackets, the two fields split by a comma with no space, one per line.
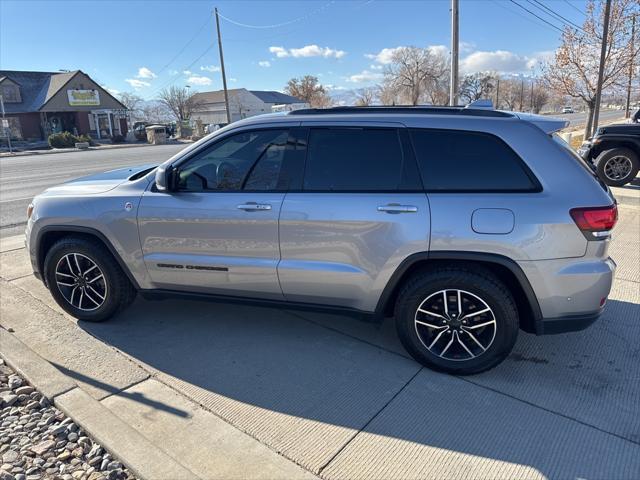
[455,324]
[81,282]
[618,167]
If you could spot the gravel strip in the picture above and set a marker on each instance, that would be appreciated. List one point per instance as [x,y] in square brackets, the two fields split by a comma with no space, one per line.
[38,441]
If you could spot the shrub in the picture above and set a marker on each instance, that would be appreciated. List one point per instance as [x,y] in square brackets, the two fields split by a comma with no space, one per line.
[63,140]
[85,138]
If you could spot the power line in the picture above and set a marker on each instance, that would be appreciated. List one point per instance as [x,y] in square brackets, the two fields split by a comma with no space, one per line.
[555,14]
[521,15]
[574,7]
[172,80]
[277,25]
[537,16]
[185,45]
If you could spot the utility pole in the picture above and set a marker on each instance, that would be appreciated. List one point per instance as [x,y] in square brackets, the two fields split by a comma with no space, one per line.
[627,109]
[603,52]
[498,93]
[453,87]
[224,76]
[521,94]
[533,81]
[6,129]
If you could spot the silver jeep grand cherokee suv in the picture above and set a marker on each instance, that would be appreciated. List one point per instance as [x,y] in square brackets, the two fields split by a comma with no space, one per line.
[465,224]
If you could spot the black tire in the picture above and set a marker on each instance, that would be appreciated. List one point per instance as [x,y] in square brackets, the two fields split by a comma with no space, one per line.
[606,171]
[478,286]
[114,284]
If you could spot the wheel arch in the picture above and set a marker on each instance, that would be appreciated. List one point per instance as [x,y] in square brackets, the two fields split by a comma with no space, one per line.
[507,270]
[613,143]
[50,234]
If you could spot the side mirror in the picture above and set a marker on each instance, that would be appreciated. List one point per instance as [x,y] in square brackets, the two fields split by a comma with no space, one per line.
[165,178]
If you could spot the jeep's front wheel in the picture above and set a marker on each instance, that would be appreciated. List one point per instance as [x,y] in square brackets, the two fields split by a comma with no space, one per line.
[457,321]
[618,166]
[85,280]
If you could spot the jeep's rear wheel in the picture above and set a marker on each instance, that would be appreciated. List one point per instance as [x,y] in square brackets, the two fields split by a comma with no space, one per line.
[85,280]
[457,321]
[618,166]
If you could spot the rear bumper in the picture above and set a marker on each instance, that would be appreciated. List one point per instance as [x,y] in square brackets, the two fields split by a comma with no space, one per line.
[569,323]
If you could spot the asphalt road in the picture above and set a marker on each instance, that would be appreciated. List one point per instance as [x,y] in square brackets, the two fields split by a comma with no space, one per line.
[23,177]
[579,119]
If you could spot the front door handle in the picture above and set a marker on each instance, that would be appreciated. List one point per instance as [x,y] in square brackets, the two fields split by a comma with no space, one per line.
[253,206]
[396,208]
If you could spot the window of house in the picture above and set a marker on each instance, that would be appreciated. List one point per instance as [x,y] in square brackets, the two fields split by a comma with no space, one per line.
[353,159]
[458,160]
[244,161]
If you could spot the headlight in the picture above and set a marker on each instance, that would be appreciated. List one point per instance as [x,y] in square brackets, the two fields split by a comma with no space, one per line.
[29,211]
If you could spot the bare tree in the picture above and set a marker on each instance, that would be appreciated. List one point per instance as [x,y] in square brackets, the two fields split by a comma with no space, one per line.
[540,97]
[156,112]
[477,85]
[133,103]
[366,97]
[180,101]
[574,70]
[309,89]
[388,93]
[510,91]
[413,71]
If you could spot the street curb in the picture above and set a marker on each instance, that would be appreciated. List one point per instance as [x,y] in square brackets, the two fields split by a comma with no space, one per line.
[134,450]
[76,150]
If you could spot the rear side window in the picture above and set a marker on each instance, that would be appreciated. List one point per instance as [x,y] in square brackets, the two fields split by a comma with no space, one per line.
[462,161]
[353,159]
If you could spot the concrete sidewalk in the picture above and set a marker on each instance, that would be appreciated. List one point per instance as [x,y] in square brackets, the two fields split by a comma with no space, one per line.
[232,391]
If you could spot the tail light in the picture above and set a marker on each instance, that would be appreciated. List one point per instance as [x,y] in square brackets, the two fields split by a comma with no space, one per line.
[595,222]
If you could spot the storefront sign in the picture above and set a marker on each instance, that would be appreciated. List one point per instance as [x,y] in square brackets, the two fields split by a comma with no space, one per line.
[83,98]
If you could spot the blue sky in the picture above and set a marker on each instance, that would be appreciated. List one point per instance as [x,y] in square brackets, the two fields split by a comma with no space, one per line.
[143,46]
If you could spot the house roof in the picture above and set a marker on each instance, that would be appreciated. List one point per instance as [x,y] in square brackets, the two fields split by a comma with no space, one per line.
[275,97]
[266,96]
[36,88]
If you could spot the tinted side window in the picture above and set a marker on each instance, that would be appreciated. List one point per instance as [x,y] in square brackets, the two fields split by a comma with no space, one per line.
[353,159]
[245,161]
[452,160]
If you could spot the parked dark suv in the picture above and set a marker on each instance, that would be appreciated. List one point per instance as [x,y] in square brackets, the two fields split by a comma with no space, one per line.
[615,152]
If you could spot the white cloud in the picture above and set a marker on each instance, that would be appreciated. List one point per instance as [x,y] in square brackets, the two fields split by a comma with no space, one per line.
[384,56]
[137,84]
[279,51]
[503,61]
[144,72]
[198,80]
[187,72]
[112,91]
[210,68]
[366,76]
[307,51]
[373,66]
[265,63]
[466,47]
[439,50]
[232,79]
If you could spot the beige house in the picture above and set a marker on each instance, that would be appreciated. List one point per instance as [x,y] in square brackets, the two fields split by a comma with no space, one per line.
[40,103]
[243,103]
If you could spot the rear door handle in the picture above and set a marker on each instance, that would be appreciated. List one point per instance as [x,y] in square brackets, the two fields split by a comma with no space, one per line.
[252,206]
[395,208]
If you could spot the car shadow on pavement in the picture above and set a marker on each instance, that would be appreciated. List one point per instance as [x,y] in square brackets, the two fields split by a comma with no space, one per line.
[305,383]
[137,397]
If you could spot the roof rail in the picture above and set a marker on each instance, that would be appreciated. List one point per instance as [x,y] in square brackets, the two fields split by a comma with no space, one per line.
[481,103]
[404,109]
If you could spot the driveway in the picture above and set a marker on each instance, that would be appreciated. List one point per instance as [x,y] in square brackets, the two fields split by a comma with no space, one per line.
[340,398]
